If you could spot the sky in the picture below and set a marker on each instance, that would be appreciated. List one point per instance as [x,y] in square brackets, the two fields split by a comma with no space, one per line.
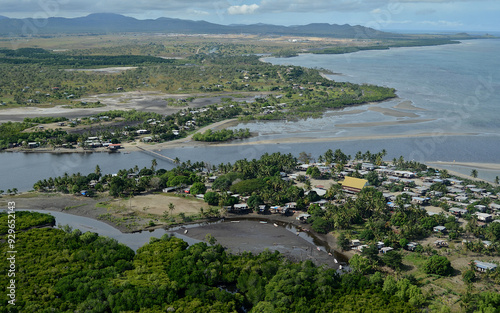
[404,15]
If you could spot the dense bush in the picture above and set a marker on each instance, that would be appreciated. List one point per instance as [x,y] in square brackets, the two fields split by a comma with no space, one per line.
[439,265]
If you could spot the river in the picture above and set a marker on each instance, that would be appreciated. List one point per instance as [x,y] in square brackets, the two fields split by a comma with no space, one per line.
[453,116]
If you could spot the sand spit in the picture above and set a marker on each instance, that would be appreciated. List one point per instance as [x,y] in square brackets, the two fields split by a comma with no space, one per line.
[391,112]
[408,105]
[373,124]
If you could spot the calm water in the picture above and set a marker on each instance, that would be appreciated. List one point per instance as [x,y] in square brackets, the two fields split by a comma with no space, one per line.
[457,85]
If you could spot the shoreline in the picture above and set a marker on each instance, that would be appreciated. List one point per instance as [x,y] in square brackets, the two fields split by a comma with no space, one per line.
[86,207]
[472,165]
[187,141]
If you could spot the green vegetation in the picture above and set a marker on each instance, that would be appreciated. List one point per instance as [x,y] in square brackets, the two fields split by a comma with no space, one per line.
[386,45]
[222,135]
[75,271]
[439,265]
[26,220]
[44,57]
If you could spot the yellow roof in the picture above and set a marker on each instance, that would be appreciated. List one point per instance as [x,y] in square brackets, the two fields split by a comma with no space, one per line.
[353,182]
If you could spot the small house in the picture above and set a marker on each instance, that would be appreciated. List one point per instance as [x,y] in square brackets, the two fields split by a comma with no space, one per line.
[386,249]
[411,246]
[439,229]
[303,217]
[355,242]
[114,146]
[458,211]
[240,207]
[353,185]
[484,266]
[484,217]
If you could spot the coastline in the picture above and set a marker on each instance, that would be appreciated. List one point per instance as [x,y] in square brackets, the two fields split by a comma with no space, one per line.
[471,165]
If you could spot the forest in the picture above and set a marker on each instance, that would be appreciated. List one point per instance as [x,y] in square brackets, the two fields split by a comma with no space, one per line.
[222,135]
[44,57]
[65,270]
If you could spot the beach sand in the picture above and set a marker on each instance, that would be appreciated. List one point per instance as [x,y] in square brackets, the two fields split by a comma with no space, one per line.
[408,105]
[391,112]
[373,124]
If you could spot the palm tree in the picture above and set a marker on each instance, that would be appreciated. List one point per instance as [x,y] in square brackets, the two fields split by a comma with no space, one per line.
[171,208]
[307,184]
[473,173]
[97,170]
[153,164]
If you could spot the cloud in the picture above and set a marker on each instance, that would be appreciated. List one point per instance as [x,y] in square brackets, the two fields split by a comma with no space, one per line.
[197,12]
[442,23]
[425,11]
[242,9]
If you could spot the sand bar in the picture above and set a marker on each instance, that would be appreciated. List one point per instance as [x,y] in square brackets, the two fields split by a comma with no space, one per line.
[391,112]
[484,166]
[408,105]
[373,124]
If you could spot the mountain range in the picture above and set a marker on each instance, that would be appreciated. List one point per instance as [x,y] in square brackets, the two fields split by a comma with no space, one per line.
[106,23]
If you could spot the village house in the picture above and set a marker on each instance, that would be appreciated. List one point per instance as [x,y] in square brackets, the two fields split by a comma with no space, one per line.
[484,217]
[353,185]
[484,266]
[384,250]
[240,208]
[439,229]
[458,211]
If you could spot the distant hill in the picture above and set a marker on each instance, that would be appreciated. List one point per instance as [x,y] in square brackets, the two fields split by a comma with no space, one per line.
[104,23]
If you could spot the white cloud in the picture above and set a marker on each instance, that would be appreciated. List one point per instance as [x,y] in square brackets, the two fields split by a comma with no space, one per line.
[197,12]
[242,9]
[442,23]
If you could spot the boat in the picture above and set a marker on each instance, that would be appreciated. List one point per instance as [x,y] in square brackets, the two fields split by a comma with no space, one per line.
[235,221]
[275,225]
[317,248]
[263,222]
[185,231]
[335,260]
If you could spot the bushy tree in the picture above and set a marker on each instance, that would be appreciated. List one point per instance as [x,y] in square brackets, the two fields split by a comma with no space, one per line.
[198,188]
[439,265]
[212,198]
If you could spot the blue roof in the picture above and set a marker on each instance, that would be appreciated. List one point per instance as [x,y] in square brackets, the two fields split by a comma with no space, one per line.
[485,265]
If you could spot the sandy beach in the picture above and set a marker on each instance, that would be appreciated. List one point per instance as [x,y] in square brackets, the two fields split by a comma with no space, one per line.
[374,124]
[470,165]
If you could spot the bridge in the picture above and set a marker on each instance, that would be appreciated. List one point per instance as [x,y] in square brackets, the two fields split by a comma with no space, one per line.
[159,156]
